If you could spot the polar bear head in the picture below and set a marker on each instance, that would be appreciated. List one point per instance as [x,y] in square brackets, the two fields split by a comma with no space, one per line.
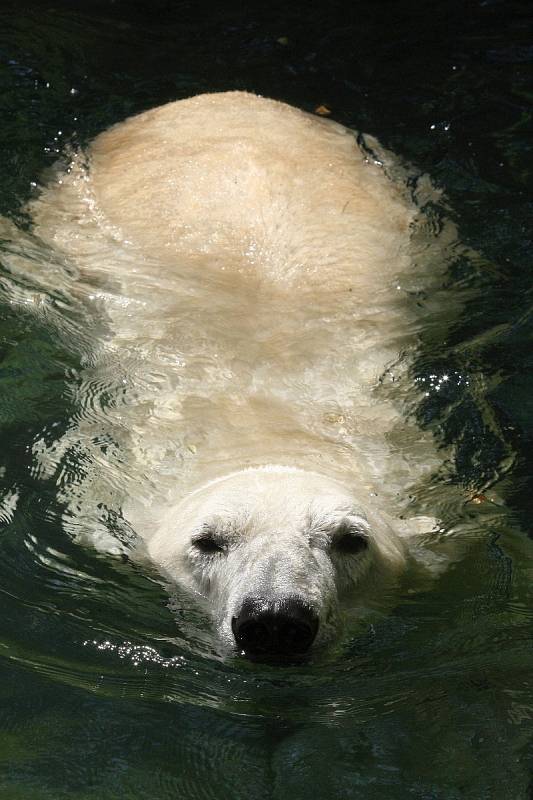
[274,551]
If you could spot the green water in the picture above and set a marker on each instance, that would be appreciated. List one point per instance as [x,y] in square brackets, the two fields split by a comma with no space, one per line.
[105,693]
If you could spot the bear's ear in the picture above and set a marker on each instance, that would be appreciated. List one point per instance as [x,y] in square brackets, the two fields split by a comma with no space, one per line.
[419,526]
[419,531]
[432,548]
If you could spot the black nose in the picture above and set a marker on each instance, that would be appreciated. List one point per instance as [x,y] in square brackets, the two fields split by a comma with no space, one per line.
[284,627]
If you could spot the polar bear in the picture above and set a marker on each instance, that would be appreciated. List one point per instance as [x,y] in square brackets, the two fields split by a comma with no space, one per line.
[253,265]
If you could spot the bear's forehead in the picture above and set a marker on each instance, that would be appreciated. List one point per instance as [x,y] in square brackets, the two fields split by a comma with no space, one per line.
[281,502]
[254,515]
[268,499]
[284,482]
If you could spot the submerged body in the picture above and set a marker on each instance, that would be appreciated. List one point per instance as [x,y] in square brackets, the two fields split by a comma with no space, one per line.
[248,258]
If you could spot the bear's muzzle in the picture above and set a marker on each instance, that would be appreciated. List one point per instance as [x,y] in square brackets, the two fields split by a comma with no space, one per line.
[284,628]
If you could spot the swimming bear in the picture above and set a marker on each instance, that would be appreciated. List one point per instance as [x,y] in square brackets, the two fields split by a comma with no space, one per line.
[249,260]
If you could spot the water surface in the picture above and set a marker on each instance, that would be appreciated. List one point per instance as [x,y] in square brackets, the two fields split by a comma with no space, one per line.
[106,690]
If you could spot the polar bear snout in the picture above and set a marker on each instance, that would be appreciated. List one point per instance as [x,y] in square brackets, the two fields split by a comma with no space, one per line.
[275,552]
[283,628]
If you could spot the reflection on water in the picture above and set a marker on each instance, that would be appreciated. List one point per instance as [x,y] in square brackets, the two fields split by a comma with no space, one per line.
[107,690]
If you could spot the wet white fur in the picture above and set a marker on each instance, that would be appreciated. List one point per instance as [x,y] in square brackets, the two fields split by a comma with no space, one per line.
[277,526]
[250,261]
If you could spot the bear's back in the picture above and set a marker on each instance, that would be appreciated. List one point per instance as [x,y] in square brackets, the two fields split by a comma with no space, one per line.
[247,259]
[242,182]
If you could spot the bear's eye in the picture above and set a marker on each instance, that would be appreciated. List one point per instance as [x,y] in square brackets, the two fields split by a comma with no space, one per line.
[208,544]
[350,541]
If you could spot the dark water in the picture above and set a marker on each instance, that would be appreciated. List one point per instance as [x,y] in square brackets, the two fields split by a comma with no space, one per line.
[102,694]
